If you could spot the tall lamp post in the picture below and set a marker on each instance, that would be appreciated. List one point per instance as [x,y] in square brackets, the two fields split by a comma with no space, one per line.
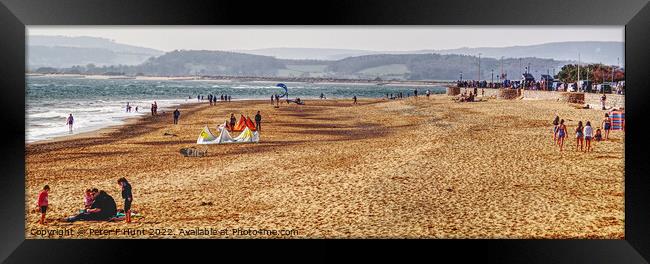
[492,75]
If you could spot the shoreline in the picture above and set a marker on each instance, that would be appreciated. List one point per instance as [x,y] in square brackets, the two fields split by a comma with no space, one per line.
[112,129]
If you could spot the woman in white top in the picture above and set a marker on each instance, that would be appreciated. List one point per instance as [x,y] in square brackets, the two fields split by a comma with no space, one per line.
[588,132]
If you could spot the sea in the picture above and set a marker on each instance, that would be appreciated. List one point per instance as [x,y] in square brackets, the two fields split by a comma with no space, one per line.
[99,103]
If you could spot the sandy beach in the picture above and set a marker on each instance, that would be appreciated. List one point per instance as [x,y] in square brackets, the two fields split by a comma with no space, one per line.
[412,168]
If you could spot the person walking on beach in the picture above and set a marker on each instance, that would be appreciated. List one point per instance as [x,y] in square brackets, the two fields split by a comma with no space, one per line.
[153,110]
[607,125]
[603,99]
[415,92]
[229,98]
[43,203]
[198,98]
[128,197]
[482,92]
[428,93]
[69,122]
[136,108]
[588,131]
[556,123]
[233,120]
[561,134]
[579,136]
[355,99]
[272,99]
[258,121]
[177,114]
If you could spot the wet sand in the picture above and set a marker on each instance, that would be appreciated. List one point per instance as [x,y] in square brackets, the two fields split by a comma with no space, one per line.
[413,168]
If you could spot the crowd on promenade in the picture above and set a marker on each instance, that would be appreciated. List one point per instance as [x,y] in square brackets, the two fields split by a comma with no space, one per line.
[541,85]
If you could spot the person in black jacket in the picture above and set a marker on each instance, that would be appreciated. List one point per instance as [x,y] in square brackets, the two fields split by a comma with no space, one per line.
[258,121]
[127,196]
[103,209]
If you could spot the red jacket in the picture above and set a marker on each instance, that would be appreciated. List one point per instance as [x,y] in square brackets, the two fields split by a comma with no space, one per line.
[42,198]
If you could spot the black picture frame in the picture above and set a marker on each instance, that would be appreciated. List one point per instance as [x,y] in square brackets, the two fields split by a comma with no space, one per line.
[634,15]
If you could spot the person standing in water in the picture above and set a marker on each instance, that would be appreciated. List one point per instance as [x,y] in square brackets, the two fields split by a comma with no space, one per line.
[258,121]
[128,197]
[177,114]
[69,122]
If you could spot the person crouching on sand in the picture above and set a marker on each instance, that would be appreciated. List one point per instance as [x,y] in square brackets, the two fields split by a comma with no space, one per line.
[89,197]
[128,197]
[43,203]
[588,132]
[561,134]
[579,136]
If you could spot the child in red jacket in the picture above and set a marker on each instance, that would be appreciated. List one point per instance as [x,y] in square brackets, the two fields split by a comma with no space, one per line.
[42,203]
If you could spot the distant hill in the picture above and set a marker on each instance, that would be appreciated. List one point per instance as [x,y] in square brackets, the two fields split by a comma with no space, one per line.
[61,51]
[590,51]
[205,62]
[384,66]
[308,53]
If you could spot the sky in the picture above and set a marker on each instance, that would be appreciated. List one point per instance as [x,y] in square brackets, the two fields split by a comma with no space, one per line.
[376,38]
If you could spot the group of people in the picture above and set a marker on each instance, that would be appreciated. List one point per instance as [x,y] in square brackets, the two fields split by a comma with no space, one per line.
[154,108]
[213,98]
[275,99]
[98,204]
[129,107]
[258,120]
[584,134]
[400,95]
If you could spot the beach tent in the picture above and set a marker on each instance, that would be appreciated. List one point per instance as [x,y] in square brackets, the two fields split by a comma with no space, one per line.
[248,136]
[250,124]
[241,124]
[207,137]
[618,119]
